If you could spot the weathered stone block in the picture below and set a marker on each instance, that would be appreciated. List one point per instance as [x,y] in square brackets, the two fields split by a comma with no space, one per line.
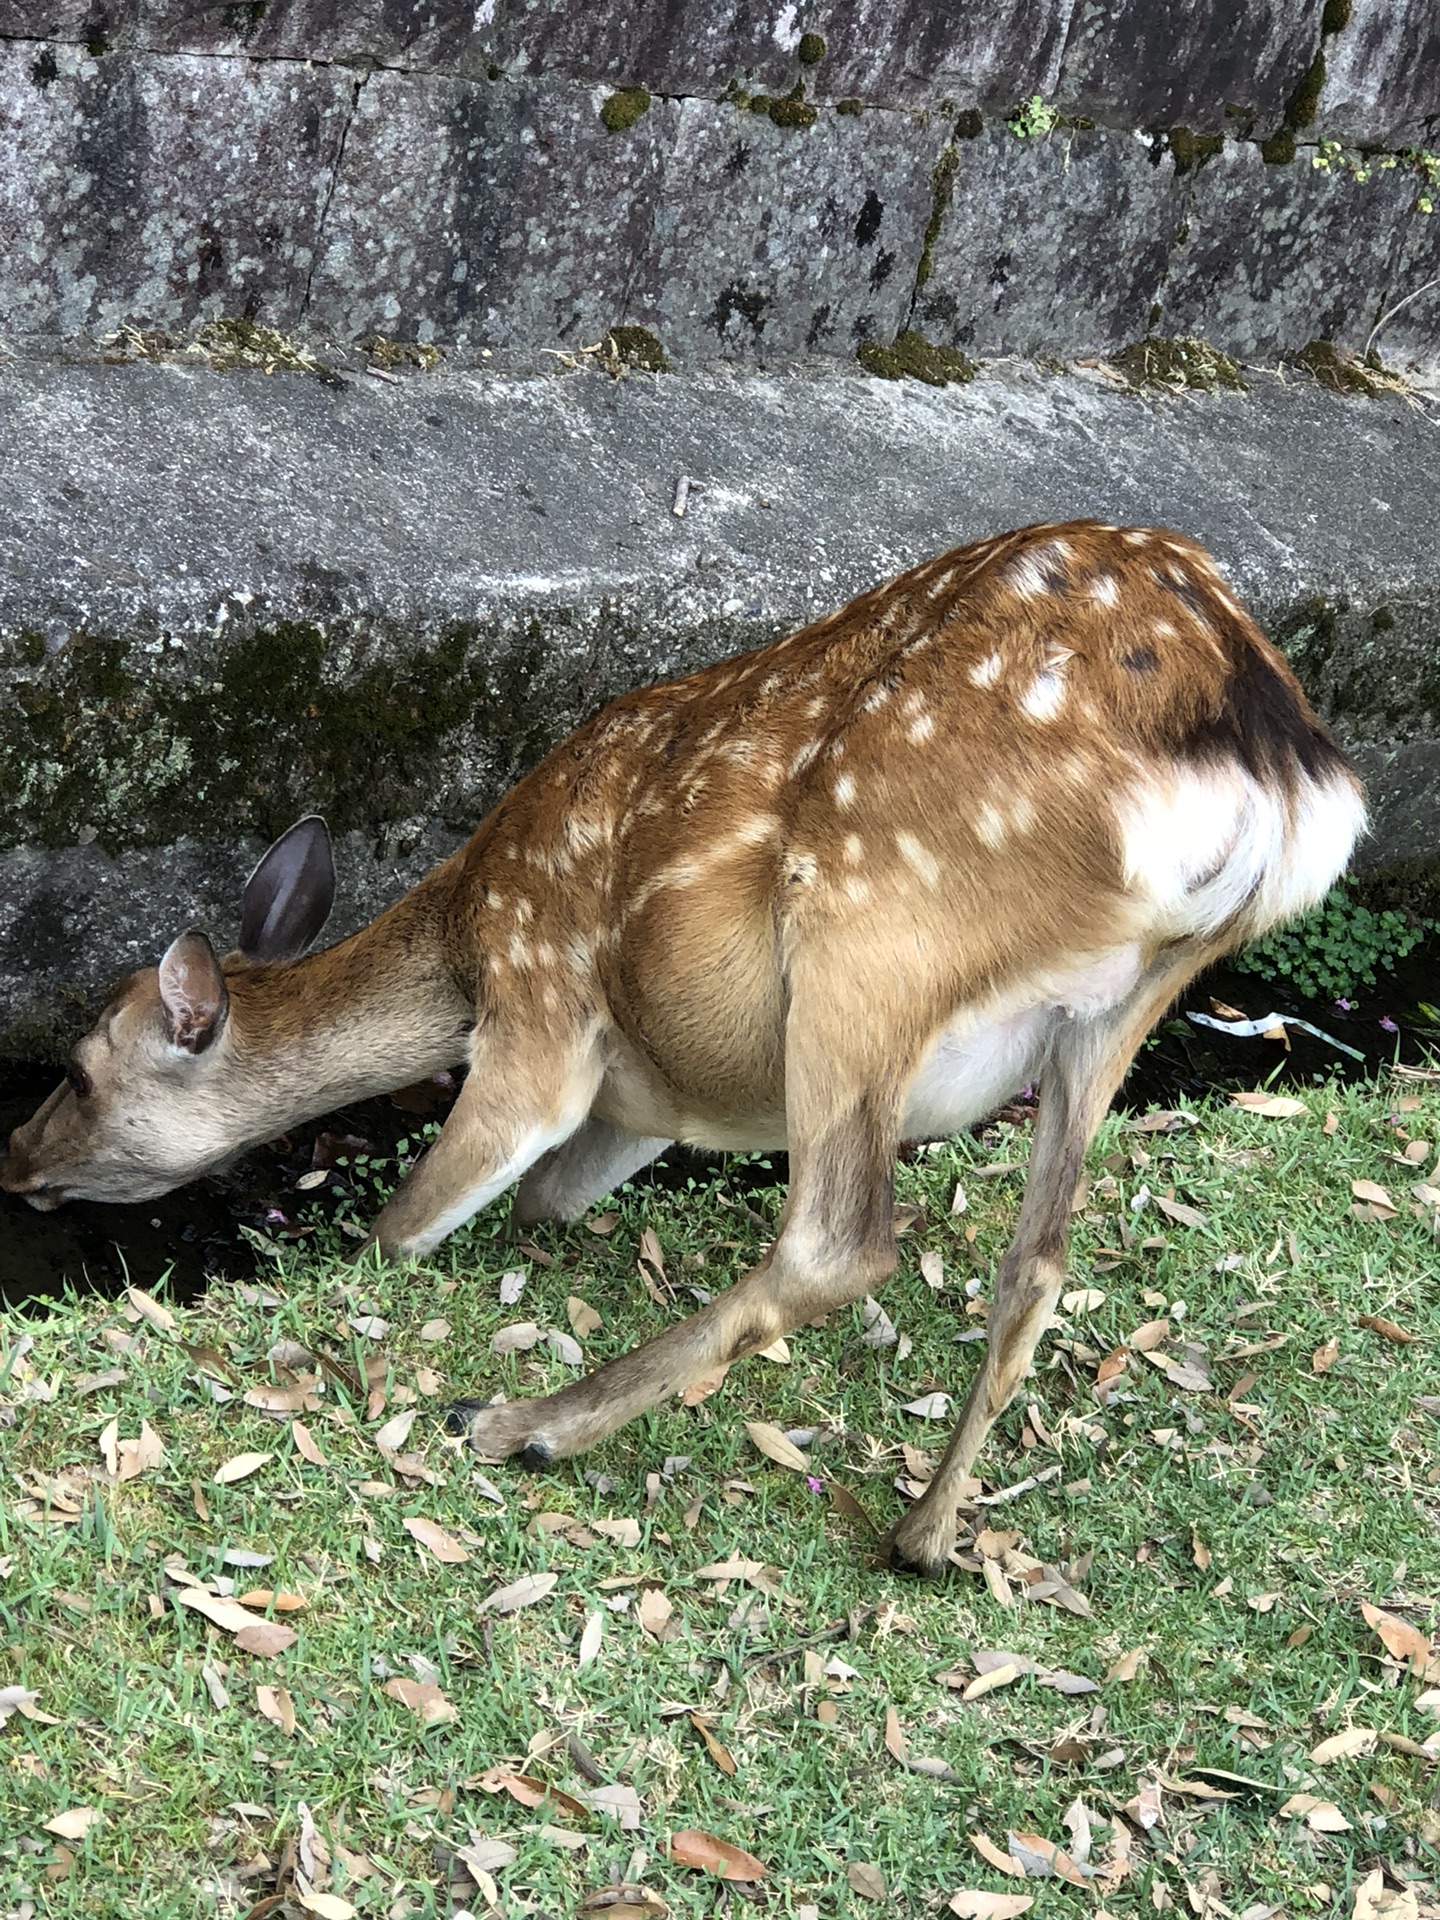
[485,214]
[160,191]
[1275,256]
[427,35]
[773,241]
[1409,336]
[1052,245]
[1382,75]
[1151,63]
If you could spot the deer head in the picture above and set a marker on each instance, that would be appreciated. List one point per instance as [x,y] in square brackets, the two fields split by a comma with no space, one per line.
[162,1087]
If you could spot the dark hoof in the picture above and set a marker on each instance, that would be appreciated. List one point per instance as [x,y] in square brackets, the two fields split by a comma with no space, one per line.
[899,1562]
[536,1456]
[460,1413]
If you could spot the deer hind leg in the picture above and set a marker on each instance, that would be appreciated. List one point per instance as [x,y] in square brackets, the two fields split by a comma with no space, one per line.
[1087,1061]
[836,1242]
[506,1118]
[591,1163]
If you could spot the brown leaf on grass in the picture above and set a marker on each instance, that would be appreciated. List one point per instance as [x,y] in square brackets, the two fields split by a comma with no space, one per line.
[1149,1335]
[773,1444]
[519,1593]
[276,1704]
[1400,1638]
[434,1331]
[1110,1370]
[1321,1816]
[1375,1901]
[1388,1330]
[583,1318]
[424,1699]
[972,1904]
[1178,1211]
[266,1637]
[282,1399]
[716,1748]
[654,1613]
[1270,1106]
[932,1269]
[135,1457]
[1042,1859]
[1324,1357]
[519,1337]
[1199,1552]
[443,1545]
[74,1823]
[1002,1861]
[845,1503]
[1372,1194]
[306,1444]
[263,1597]
[623,1900]
[866,1880]
[396,1431]
[530,1792]
[699,1390]
[1348,1744]
[899,1749]
[150,1309]
[240,1467]
[988,1682]
[693,1848]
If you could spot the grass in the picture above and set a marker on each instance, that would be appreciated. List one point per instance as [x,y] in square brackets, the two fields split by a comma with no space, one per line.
[1306,1493]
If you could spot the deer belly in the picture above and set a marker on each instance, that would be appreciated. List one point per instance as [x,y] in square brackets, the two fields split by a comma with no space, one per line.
[974,1066]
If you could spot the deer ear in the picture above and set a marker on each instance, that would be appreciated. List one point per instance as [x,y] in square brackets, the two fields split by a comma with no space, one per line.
[289,895]
[192,992]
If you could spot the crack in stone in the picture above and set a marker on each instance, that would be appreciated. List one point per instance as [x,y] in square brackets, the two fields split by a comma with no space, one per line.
[361,80]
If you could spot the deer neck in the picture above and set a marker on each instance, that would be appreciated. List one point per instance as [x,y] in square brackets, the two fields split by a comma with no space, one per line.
[372,1013]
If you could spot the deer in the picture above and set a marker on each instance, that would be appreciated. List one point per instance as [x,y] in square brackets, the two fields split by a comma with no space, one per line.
[978,828]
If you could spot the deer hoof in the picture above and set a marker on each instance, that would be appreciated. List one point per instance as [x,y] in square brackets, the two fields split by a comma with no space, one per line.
[498,1429]
[918,1562]
[535,1455]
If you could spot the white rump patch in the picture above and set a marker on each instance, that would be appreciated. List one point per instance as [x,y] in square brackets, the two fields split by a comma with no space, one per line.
[1202,842]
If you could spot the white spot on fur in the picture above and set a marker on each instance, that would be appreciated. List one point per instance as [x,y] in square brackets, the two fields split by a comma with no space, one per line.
[918,857]
[845,790]
[1045,695]
[856,889]
[1135,537]
[854,849]
[523,910]
[519,952]
[922,727]
[990,826]
[1022,814]
[1104,589]
[987,672]
[803,758]
[493,899]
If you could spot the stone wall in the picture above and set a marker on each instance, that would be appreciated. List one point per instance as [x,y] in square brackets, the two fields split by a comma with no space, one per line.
[803,178]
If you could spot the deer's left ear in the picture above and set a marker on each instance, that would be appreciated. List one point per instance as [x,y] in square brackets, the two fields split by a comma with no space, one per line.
[192,992]
[289,895]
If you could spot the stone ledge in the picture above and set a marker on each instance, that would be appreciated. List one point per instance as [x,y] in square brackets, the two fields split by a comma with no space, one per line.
[225,598]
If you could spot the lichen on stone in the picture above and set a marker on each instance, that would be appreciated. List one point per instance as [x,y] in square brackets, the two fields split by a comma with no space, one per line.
[1191,150]
[912,357]
[624,107]
[638,348]
[1178,365]
[400,353]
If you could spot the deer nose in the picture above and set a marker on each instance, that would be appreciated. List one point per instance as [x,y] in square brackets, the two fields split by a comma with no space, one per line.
[16,1173]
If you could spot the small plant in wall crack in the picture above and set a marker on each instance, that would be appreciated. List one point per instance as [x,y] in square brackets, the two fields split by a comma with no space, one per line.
[1033,118]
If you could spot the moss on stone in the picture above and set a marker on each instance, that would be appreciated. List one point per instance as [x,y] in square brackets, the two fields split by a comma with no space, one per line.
[787,110]
[1180,365]
[400,353]
[913,357]
[623,108]
[969,124]
[1191,150]
[1279,149]
[1336,16]
[1343,372]
[811,50]
[942,191]
[1305,101]
[140,749]
[849,106]
[637,347]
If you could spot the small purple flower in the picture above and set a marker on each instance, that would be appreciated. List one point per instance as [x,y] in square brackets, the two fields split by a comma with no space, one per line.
[815,1485]
[1388,1024]
[1342,1005]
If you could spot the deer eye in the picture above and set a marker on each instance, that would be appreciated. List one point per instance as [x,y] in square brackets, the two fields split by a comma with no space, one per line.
[80,1082]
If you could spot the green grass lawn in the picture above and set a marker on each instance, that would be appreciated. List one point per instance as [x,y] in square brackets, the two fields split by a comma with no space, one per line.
[1260,1468]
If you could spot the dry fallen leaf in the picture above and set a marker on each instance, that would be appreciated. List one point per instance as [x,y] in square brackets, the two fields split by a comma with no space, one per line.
[1321,1816]
[699,1390]
[692,1848]
[396,1431]
[276,1704]
[583,1318]
[520,1593]
[1400,1638]
[1388,1330]
[325,1906]
[1270,1106]
[1324,1358]
[930,1406]
[988,1682]
[1375,1901]
[654,1613]
[1347,1745]
[1002,1861]
[443,1545]
[716,1748]
[1042,1859]
[306,1444]
[1372,1193]
[773,1444]
[240,1468]
[932,1269]
[591,1638]
[520,1337]
[74,1823]
[150,1309]
[866,1880]
[1127,1666]
[424,1699]
[282,1602]
[975,1905]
